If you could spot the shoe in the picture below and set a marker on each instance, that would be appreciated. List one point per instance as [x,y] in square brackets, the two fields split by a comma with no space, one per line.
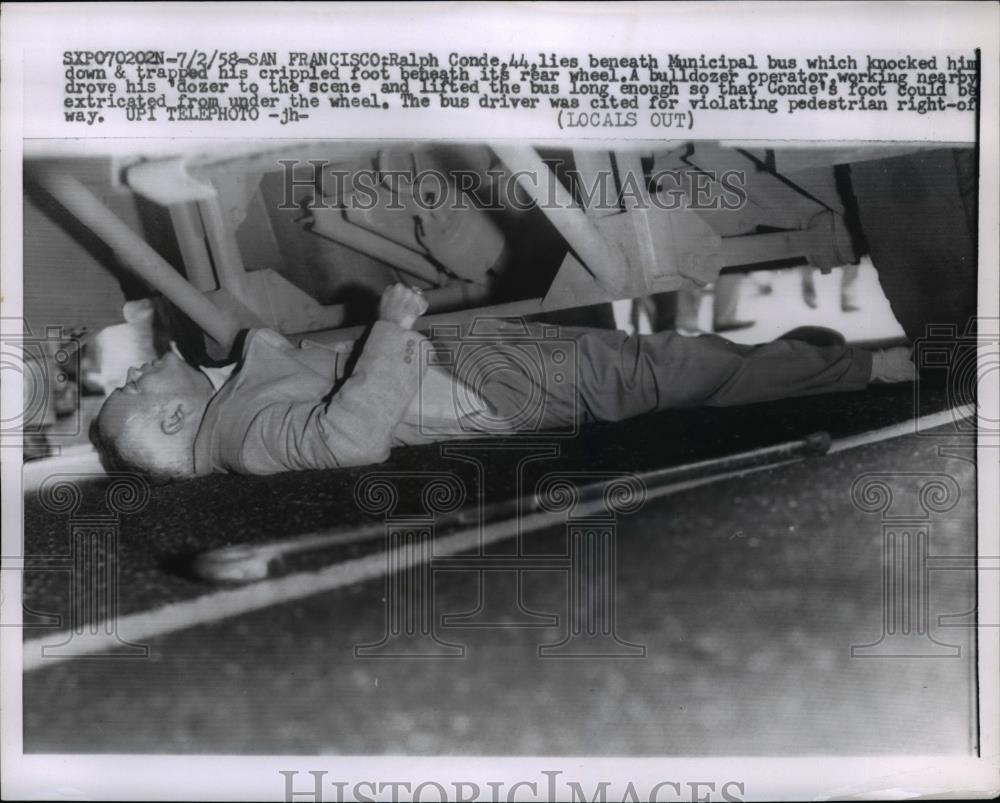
[893,365]
[815,336]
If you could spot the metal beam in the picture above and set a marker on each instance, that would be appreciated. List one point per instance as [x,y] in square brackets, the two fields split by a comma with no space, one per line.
[637,204]
[190,236]
[137,255]
[512,309]
[229,269]
[595,181]
[605,263]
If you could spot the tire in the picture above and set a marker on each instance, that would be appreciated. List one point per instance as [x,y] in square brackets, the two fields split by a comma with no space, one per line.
[918,214]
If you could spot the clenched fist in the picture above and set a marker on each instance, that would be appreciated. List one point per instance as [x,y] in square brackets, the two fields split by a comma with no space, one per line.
[401,305]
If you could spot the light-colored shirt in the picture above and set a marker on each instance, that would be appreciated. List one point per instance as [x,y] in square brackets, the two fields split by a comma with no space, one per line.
[285,408]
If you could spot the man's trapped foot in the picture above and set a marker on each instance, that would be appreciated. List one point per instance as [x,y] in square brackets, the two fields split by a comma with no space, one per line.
[893,365]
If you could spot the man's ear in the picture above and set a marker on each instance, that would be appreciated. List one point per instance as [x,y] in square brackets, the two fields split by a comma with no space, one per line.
[173,422]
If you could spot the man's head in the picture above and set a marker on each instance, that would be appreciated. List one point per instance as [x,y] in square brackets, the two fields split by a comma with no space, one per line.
[150,423]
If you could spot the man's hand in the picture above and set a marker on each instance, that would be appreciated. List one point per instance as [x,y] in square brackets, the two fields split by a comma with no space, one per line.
[402,305]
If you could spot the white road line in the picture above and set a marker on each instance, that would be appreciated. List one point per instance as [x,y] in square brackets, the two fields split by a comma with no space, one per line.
[250,562]
[138,627]
[911,427]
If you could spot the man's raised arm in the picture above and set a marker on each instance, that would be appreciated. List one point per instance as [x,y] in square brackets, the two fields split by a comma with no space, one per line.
[355,426]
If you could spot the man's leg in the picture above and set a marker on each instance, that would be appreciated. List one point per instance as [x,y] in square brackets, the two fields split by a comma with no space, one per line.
[621,376]
[848,290]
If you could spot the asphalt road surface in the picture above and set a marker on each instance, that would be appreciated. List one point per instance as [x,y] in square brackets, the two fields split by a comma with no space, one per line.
[736,606]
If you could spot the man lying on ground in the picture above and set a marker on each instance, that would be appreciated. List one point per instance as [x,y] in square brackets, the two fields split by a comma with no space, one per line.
[284,408]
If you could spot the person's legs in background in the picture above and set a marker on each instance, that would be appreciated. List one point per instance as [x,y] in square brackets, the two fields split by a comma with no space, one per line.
[849,301]
[808,286]
[686,317]
[726,302]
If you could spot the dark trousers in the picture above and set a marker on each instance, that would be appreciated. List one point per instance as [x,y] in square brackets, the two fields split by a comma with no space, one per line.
[609,375]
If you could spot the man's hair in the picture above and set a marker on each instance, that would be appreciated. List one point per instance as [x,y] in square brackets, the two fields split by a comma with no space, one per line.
[116,457]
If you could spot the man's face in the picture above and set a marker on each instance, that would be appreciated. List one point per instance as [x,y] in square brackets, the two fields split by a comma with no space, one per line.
[165,377]
[149,387]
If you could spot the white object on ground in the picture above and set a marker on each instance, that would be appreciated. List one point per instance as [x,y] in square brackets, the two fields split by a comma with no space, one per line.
[123,346]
